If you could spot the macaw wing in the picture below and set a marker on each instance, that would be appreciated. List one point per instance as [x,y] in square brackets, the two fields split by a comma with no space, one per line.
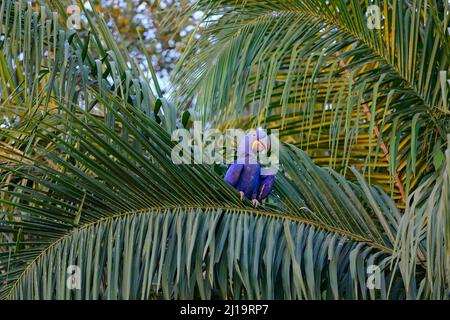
[265,186]
[233,174]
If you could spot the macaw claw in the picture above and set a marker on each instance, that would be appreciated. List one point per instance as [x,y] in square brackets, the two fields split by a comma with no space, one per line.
[241,195]
[255,203]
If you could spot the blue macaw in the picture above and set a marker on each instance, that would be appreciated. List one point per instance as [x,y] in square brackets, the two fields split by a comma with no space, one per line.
[246,174]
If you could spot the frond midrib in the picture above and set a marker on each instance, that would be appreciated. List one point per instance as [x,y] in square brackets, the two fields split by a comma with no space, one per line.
[267,213]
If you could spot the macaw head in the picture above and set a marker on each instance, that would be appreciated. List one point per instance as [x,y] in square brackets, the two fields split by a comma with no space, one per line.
[254,142]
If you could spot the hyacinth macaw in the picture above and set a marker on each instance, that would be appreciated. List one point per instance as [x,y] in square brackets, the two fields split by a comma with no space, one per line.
[246,175]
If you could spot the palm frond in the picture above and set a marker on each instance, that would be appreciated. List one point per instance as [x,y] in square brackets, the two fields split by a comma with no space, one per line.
[347,94]
[43,61]
[138,225]
[93,184]
[425,229]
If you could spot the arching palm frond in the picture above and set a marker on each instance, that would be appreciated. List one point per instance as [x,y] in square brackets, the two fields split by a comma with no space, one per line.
[137,224]
[46,63]
[348,95]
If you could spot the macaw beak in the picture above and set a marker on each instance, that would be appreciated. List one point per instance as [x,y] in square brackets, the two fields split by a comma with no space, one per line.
[260,146]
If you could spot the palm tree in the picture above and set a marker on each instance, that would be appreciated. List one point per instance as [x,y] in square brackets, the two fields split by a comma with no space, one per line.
[88,181]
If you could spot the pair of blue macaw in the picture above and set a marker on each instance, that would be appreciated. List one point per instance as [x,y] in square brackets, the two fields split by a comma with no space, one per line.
[246,174]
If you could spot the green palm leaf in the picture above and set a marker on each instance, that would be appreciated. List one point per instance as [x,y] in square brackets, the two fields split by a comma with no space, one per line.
[138,225]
